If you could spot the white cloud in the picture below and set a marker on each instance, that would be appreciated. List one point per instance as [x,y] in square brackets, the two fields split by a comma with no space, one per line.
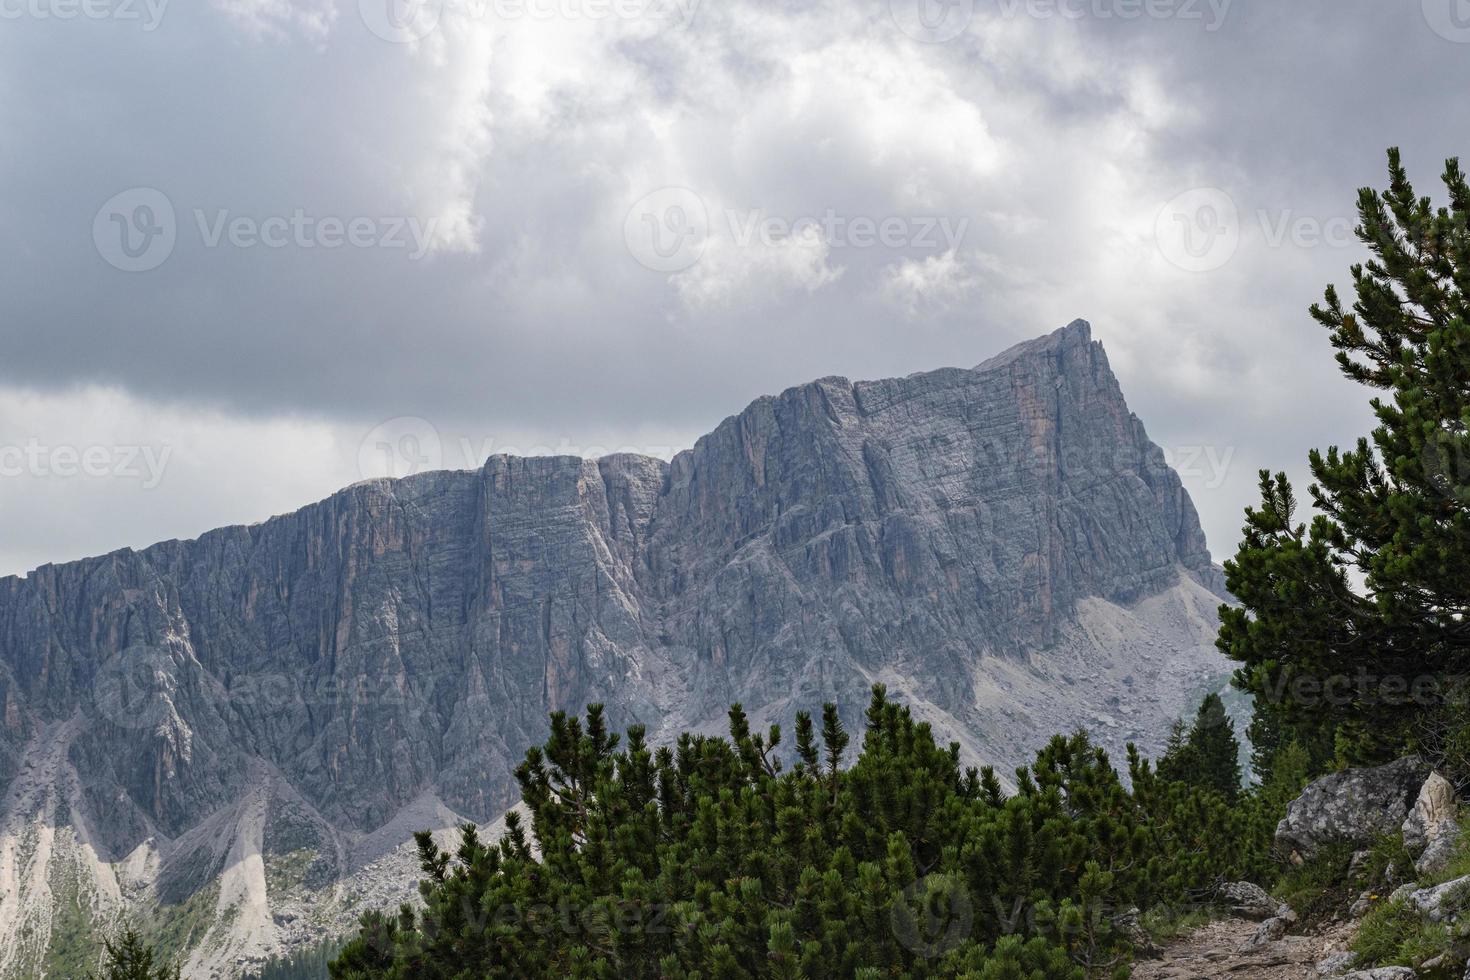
[920,287]
[1050,144]
[281,19]
[744,268]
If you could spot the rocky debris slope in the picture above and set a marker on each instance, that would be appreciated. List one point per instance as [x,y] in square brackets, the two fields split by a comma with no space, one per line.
[236,731]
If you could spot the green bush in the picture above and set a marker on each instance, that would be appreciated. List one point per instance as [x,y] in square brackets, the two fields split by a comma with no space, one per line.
[1396,934]
[715,858]
[1319,888]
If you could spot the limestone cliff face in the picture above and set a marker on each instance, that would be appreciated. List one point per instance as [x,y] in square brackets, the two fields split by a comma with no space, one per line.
[979,539]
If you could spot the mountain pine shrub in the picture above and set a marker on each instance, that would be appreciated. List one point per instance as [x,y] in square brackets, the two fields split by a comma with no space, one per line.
[724,858]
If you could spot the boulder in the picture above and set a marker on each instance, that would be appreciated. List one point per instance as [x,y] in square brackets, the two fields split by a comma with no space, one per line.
[1250,901]
[1336,964]
[1441,903]
[1355,806]
[1130,923]
[1432,829]
[1272,929]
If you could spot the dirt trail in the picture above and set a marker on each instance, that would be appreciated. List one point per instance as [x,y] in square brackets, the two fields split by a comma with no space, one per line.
[1216,950]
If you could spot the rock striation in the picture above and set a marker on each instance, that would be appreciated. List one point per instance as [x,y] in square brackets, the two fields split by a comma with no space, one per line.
[239,732]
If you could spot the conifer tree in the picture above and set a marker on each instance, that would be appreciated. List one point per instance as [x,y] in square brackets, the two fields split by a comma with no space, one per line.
[1366,666]
[130,958]
[1215,749]
[1207,754]
[712,858]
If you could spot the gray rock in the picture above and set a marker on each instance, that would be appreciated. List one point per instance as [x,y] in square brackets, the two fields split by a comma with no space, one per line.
[1382,973]
[1336,964]
[1403,891]
[1250,901]
[1130,924]
[1272,930]
[383,659]
[1440,852]
[1441,903]
[1355,806]
[1431,831]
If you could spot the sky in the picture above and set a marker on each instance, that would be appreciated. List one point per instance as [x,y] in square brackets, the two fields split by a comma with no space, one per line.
[257,250]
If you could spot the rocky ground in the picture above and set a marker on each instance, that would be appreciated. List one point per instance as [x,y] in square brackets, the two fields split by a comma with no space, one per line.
[1219,949]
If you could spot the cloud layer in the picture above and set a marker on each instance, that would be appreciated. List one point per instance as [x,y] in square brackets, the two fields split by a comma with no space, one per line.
[567,225]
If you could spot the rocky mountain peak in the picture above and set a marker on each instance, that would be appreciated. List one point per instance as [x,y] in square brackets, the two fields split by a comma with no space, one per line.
[1003,546]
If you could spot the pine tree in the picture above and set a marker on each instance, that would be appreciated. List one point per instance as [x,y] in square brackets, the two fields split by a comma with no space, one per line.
[1177,763]
[1364,668]
[1206,754]
[130,958]
[1215,749]
[710,858]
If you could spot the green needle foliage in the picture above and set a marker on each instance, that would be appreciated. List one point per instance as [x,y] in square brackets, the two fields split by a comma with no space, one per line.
[1364,673]
[714,859]
[130,958]
[1208,754]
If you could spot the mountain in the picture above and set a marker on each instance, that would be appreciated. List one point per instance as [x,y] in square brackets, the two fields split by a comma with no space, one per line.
[234,736]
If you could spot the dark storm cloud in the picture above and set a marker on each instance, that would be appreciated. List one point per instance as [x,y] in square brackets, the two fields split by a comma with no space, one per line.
[308,163]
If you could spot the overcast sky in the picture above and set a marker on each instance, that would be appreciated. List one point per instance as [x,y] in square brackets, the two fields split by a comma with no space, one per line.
[254,250]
